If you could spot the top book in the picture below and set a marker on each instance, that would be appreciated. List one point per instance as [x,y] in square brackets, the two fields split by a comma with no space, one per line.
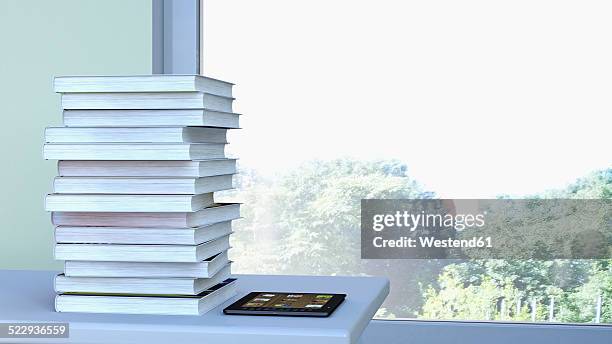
[142,83]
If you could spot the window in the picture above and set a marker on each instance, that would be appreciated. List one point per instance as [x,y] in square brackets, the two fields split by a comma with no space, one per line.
[346,100]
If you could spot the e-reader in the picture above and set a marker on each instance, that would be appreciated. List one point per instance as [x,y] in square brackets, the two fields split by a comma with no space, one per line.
[286,304]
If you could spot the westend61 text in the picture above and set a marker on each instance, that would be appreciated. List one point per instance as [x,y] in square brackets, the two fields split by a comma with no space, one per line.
[432,242]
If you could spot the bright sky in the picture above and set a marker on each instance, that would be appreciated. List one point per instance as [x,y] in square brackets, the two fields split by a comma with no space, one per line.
[478,98]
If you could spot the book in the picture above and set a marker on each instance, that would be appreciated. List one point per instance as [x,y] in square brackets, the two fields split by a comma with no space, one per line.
[150,117]
[141,185]
[142,83]
[139,285]
[219,212]
[134,151]
[142,235]
[204,269]
[135,135]
[147,100]
[131,168]
[128,203]
[142,253]
[139,304]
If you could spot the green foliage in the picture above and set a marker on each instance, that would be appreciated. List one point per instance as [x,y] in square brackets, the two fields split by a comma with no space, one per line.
[454,300]
[579,304]
[307,222]
[544,229]
[517,282]
[312,213]
[472,289]
[319,210]
[597,185]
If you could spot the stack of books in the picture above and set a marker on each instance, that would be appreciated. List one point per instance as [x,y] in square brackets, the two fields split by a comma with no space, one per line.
[140,158]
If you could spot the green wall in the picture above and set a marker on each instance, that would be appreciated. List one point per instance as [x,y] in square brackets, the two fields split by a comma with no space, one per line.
[41,39]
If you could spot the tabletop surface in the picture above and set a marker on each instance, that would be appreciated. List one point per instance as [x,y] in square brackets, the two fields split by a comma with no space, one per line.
[28,296]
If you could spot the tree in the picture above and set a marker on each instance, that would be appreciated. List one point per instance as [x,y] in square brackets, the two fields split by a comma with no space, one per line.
[307,222]
[580,303]
[462,288]
[488,300]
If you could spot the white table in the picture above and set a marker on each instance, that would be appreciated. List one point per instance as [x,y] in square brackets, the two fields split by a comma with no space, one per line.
[27,296]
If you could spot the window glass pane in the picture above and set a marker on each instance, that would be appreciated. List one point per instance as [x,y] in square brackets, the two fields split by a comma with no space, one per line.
[345,100]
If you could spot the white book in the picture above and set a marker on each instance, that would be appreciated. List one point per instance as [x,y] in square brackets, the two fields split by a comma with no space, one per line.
[217,213]
[142,253]
[127,203]
[142,235]
[134,151]
[133,168]
[135,135]
[142,83]
[137,304]
[204,269]
[149,100]
[141,185]
[152,117]
[139,285]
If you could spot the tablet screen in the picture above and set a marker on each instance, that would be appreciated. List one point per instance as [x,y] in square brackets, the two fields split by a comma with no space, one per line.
[284,300]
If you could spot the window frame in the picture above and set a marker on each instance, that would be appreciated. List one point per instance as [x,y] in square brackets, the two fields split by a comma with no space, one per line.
[454,331]
[176,36]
